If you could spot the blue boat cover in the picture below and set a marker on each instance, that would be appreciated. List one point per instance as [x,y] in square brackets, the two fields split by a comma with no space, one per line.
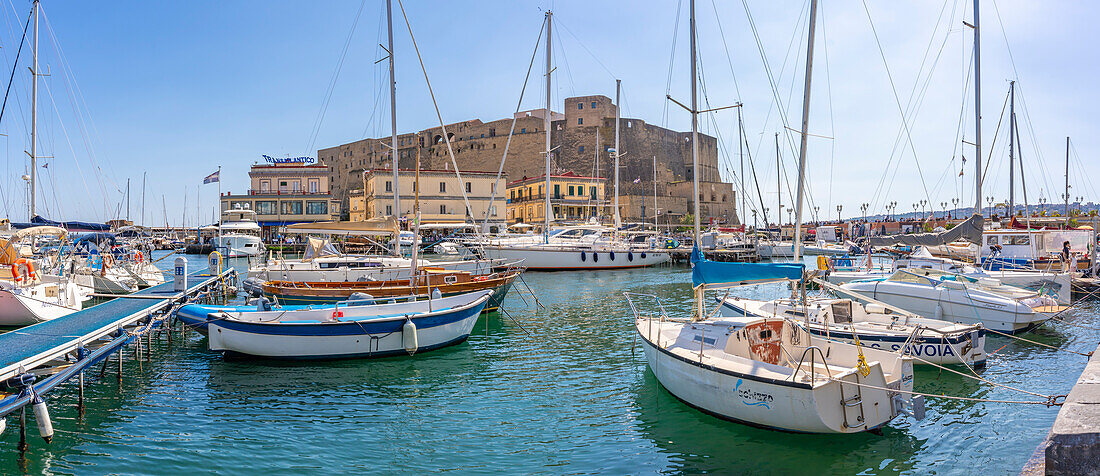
[704,271]
[68,225]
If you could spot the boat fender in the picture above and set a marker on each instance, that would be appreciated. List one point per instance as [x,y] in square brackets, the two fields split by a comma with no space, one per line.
[595,257]
[611,254]
[630,256]
[939,311]
[643,255]
[437,294]
[408,336]
[582,257]
[3,425]
[42,417]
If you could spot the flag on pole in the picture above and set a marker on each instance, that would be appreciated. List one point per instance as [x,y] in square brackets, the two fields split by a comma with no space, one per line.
[214,177]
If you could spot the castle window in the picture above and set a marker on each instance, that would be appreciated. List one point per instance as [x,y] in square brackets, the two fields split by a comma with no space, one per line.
[580,121]
[580,105]
[580,149]
[442,187]
[523,130]
[443,209]
[593,104]
[469,187]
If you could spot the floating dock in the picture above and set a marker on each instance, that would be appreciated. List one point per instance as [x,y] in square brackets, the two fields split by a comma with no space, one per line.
[40,357]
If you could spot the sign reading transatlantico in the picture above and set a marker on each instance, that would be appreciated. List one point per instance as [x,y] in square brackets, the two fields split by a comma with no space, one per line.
[290,160]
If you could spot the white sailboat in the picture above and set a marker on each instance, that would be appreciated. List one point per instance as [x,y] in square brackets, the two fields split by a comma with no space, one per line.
[596,247]
[27,294]
[769,372]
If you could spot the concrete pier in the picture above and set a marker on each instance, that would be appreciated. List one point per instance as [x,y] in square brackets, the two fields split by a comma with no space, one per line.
[1073,446]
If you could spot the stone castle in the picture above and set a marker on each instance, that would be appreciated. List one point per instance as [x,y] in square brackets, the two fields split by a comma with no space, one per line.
[479,146]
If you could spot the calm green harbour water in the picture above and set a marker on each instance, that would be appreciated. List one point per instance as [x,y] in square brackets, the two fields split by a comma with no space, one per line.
[561,390]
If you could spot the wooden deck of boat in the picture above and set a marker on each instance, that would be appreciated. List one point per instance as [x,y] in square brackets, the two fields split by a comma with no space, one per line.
[32,346]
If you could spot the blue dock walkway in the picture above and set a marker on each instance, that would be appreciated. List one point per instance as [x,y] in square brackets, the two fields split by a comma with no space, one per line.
[24,350]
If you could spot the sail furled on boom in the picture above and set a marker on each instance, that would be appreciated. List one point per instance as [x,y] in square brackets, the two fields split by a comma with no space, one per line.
[969,230]
[722,274]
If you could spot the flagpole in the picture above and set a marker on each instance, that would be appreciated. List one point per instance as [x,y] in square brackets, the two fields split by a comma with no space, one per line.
[219,205]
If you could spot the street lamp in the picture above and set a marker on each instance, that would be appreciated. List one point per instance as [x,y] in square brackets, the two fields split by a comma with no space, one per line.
[922,204]
[990,201]
[817,214]
[955,206]
[790,215]
[838,209]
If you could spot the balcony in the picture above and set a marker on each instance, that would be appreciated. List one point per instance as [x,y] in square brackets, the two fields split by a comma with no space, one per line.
[287,192]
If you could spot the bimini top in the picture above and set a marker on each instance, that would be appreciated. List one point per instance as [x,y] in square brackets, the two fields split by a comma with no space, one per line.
[375,226]
[720,274]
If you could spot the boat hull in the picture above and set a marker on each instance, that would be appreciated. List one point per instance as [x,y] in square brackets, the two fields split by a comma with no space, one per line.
[565,259]
[999,314]
[773,404]
[338,340]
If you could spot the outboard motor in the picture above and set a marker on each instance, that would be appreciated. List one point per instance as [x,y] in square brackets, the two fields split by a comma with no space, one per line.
[360,299]
[253,287]
[262,304]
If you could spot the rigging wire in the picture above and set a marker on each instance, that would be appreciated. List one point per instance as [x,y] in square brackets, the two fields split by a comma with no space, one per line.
[316,130]
[897,100]
[671,63]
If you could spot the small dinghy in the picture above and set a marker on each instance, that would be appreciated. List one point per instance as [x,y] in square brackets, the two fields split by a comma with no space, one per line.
[352,329]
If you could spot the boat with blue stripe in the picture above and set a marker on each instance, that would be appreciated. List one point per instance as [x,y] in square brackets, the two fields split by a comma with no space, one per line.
[356,329]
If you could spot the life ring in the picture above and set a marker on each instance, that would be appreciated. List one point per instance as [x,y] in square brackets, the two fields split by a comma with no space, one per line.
[139,257]
[31,273]
[583,259]
[630,256]
[15,276]
[612,255]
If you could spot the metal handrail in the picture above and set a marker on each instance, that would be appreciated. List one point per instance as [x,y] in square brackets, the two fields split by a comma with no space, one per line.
[813,370]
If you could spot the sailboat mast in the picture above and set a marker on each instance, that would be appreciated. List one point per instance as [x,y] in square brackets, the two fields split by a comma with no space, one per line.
[805,125]
[546,124]
[127,199]
[1011,153]
[778,185]
[655,209]
[741,154]
[977,112]
[143,175]
[1066,195]
[694,126]
[34,116]
[393,124]
[617,219]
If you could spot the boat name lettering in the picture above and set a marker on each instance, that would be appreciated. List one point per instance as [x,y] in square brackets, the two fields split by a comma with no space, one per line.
[753,398]
[919,350]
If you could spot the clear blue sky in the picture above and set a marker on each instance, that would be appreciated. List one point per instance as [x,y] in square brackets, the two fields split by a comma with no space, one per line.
[176,89]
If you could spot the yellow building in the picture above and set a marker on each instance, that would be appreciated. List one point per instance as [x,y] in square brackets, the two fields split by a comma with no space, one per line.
[441,198]
[285,191]
[574,198]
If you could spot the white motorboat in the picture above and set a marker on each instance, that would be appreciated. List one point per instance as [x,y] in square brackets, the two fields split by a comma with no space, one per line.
[1054,284]
[957,298]
[239,234]
[773,249]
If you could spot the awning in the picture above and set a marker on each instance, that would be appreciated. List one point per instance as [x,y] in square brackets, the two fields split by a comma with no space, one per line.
[715,274]
[374,226]
[969,230]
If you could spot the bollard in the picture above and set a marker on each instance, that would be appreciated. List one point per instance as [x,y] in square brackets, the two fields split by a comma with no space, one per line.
[180,274]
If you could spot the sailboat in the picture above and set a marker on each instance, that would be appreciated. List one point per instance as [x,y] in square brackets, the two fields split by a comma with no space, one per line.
[596,247]
[765,371]
[27,294]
